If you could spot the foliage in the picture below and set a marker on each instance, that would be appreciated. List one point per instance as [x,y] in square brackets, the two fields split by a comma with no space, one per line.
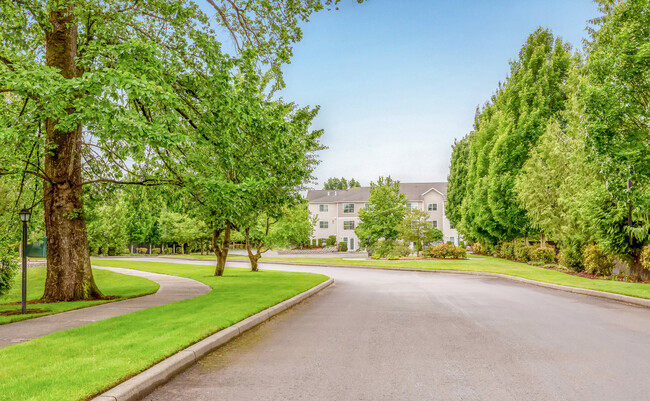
[381,221]
[444,251]
[480,249]
[617,119]
[331,240]
[334,183]
[8,267]
[595,261]
[506,250]
[415,227]
[457,181]
[543,254]
[522,252]
[645,257]
[107,223]
[570,256]
[343,246]
[296,226]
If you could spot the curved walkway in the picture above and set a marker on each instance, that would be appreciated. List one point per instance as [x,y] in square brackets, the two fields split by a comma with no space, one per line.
[171,289]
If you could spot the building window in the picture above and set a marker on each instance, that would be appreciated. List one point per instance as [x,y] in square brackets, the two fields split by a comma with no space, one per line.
[322,208]
[432,207]
[324,224]
[434,223]
[348,208]
[348,225]
[412,206]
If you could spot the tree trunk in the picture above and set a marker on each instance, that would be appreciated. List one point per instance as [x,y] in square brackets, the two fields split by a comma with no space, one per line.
[253,257]
[69,276]
[221,250]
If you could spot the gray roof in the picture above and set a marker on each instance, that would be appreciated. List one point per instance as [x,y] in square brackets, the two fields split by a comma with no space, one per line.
[413,191]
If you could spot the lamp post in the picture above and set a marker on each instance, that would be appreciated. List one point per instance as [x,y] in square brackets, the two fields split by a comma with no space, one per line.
[24,215]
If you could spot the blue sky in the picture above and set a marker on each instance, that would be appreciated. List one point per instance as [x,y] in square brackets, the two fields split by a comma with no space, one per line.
[398,80]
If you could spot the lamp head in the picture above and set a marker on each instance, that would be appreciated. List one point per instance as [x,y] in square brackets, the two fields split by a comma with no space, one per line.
[24,214]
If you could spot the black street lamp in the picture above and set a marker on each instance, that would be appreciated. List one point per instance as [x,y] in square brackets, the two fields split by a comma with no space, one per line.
[24,215]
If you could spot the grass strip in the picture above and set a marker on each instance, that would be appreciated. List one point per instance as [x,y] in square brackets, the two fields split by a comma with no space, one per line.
[485,264]
[120,286]
[79,363]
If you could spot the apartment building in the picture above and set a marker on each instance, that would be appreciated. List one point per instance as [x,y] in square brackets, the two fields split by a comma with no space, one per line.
[338,211]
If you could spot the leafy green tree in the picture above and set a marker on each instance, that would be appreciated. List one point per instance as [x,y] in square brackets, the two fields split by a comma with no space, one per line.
[415,227]
[334,183]
[108,225]
[387,210]
[99,87]
[617,114]
[295,227]
[457,181]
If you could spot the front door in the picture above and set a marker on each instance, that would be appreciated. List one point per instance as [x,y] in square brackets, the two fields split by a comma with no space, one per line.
[351,244]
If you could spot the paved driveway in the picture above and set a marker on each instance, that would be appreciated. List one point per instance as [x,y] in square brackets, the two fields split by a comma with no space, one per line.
[387,335]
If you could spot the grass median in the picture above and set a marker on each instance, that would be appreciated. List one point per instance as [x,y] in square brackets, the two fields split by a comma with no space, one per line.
[479,264]
[116,285]
[79,363]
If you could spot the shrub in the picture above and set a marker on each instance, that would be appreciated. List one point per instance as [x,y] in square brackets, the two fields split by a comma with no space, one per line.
[168,251]
[506,250]
[595,261]
[320,242]
[142,250]
[374,256]
[155,251]
[393,257]
[8,267]
[522,252]
[645,257]
[343,246]
[443,251]
[461,244]
[399,250]
[479,248]
[450,243]
[331,240]
[570,257]
[545,255]
[314,243]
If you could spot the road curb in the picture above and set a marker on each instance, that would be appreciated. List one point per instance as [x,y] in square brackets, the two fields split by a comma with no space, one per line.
[627,299]
[144,383]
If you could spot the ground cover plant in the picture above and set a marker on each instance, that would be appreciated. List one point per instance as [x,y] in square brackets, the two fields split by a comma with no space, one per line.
[114,286]
[79,363]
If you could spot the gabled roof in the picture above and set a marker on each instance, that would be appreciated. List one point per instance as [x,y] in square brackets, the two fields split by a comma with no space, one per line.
[413,191]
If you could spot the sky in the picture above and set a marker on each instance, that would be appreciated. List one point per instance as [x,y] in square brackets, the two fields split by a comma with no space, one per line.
[397,81]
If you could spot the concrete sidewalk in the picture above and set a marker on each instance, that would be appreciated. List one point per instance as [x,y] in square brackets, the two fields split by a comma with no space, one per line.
[171,289]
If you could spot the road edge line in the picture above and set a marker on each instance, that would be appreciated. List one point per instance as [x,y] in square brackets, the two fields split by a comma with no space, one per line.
[147,381]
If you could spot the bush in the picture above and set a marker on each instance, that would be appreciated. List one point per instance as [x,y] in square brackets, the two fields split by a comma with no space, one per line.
[596,262]
[320,242]
[506,250]
[443,251]
[479,248]
[545,255]
[142,250]
[645,257]
[343,246]
[168,251]
[8,267]
[399,250]
[522,252]
[314,243]
[461,244]
[155,251]
[570,257]
[331,240]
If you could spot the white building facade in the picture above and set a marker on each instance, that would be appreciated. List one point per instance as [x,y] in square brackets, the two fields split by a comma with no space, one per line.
[338,211]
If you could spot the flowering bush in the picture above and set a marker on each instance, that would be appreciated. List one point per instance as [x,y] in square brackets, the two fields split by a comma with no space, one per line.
[443,251]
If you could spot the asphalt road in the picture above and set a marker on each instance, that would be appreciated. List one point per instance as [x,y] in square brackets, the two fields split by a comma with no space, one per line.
[387,335]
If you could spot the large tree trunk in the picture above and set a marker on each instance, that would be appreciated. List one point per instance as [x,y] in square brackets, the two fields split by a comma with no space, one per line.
[221,249]
[69,276]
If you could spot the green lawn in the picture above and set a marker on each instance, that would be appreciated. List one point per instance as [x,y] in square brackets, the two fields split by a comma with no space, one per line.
[486,264]
[82,362]
[117,285]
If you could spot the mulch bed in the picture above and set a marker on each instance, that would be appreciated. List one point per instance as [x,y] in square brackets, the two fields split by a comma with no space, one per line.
[19,312]
[620,277]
